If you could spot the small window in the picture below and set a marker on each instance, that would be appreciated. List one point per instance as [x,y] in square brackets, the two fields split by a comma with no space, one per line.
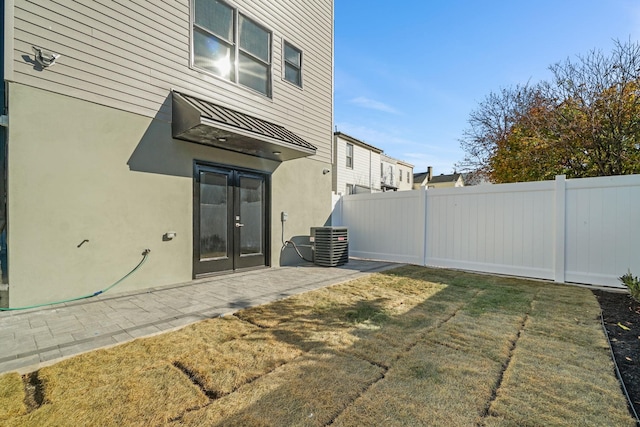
[350,156]
[292,64]
[400,176]
[408,179]
[349,188]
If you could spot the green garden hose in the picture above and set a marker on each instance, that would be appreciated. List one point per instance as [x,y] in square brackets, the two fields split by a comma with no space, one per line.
[145,255]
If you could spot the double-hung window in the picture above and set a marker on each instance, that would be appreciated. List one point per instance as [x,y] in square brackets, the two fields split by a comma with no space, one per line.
[254,61]
[229,45]
[349,160]
[292,64]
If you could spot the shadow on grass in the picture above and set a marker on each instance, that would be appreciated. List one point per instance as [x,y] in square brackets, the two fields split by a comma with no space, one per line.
[369,325]
[410,346]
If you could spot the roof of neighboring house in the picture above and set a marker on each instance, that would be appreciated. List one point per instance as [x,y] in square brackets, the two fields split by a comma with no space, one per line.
[357,141]
[419,177]
[389,159]
[445,178]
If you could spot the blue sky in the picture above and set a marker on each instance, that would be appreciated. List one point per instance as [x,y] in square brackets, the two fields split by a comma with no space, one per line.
[408,74]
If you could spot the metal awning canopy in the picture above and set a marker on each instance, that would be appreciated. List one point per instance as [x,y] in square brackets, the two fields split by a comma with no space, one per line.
[203,122]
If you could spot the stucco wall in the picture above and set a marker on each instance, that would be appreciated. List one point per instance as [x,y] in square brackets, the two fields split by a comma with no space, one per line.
[301,189]
[82,171]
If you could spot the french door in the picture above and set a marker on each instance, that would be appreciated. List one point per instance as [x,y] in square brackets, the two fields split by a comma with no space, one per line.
[230,219]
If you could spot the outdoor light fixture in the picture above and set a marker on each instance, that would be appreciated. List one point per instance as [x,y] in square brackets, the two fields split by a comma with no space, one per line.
[45,58]
[325,171]
[277,153]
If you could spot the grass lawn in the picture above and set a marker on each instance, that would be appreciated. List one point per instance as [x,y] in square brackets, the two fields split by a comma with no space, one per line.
[410,346]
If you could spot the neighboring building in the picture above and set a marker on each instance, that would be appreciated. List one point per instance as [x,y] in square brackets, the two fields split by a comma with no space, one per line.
[183,127]
[395,174]
[388,173]
[446,181]
[362,168]
[419,180]
[405,176]
[356,165]
[426,179]
[422,178]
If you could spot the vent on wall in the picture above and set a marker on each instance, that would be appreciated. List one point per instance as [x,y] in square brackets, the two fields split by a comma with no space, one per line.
[330,246]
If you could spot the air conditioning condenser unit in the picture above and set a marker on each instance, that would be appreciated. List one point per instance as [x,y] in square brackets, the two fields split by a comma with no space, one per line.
[330,246]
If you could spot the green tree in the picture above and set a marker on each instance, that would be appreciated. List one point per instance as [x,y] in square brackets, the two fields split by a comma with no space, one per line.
[584,122]
[491,125]
[530,151]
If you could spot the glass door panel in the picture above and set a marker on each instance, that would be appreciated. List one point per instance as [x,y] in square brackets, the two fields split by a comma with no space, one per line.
[212,225]
[251,210]
[214,239]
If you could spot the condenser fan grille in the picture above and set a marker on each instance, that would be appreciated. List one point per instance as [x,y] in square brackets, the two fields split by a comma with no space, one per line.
[330,246]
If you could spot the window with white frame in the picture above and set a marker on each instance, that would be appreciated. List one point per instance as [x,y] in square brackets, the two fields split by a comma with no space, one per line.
[408,179]
[350,189]
[230,45]
[349,156]
[292,64]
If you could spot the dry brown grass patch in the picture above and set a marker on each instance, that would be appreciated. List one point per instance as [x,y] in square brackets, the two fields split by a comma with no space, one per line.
[489,335]
[11,396]
[131,398]
[411,346]
[561,370]
[223,369]
[204,335]
[309,391]
[543,390]
[396,294]
[431,385]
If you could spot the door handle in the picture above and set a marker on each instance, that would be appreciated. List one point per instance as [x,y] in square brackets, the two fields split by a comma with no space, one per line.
[238,225]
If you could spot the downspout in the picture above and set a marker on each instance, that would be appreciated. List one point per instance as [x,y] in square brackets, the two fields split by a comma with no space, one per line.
[3,89]
[370,173]
[4,123]
[333,150]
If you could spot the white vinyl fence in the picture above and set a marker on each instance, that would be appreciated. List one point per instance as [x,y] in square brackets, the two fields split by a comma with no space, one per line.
[576,230]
